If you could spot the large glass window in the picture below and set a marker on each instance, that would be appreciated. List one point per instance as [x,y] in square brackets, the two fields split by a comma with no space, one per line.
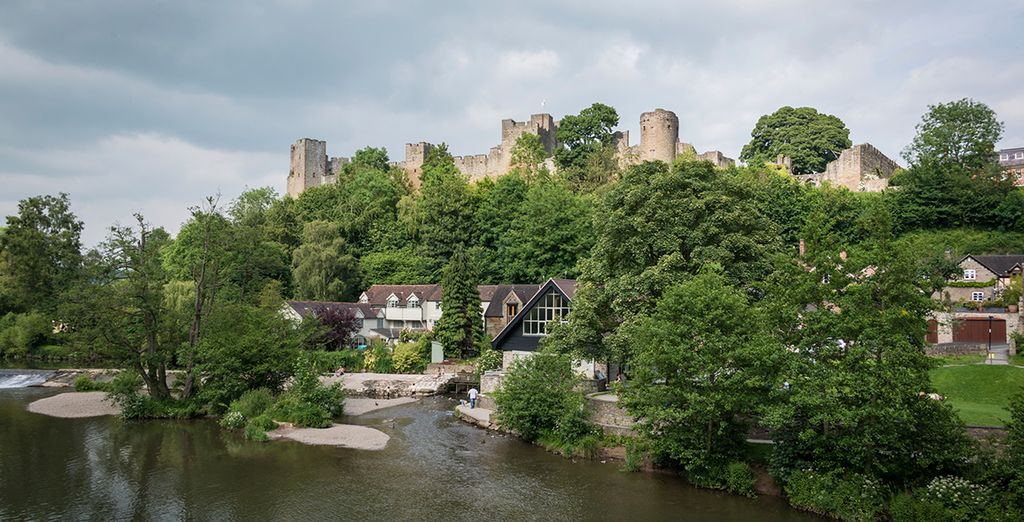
[550,307]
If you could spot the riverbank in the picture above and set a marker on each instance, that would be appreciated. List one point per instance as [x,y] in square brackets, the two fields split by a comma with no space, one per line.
[339,435]
[75,405]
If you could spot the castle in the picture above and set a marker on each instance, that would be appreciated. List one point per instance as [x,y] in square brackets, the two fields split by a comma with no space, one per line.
[859,168]
[659,140]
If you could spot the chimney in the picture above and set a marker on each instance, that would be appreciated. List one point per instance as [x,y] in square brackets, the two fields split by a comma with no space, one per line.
[803,248]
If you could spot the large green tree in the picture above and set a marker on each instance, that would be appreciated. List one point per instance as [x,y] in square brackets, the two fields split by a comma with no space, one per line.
[445,208]
[703,362]
[41,252]
[962,133]
[461,326]
[810,138]
[584,134]
[322,268]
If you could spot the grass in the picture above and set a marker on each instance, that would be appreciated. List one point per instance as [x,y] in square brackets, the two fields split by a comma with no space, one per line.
[979,393]
[946,360]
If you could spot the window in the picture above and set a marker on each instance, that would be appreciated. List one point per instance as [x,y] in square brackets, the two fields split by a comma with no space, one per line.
[413,302]
[358,342]
[392,302]
[1018,155]
[380,322]
[970,274]
[511,309]
[1004,157]
[550,307]
[977,296]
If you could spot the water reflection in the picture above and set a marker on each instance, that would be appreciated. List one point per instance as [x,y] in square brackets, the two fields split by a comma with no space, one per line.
[435,468]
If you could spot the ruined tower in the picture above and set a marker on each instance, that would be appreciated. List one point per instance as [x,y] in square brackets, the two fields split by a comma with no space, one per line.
[310,166]
[659,133]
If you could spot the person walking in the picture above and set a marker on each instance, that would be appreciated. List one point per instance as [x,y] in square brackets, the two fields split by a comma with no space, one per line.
[472,397]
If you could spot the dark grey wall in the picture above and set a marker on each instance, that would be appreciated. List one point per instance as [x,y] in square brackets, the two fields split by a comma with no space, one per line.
[515,340]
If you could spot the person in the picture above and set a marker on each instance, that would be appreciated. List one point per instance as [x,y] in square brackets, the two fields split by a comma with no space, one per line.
[472,397]
[340,372]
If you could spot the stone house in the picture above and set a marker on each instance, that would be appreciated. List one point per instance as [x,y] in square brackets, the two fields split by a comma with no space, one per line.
[370,319]
[982,278]
[503,302]
[1012,162]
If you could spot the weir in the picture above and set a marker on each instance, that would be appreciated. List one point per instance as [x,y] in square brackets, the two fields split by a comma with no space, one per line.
[23,378]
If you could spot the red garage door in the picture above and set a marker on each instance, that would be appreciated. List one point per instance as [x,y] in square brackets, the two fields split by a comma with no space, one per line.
[933,332]
[975,330]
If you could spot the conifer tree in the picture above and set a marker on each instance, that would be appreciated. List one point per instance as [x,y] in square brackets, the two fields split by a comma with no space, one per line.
[460,325]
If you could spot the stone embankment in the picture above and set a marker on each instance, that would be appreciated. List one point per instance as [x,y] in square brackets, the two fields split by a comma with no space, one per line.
[388,385]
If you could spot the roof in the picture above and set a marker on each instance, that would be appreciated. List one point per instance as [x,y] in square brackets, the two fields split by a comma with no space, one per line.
[1000,265]
[496,294]
[377,295]
[566,287]
[307,308]
[1011,160]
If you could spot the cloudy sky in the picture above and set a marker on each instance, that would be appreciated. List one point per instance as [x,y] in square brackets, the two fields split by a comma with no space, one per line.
[134,105]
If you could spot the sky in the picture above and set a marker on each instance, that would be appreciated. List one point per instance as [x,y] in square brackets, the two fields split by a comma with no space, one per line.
[151,105]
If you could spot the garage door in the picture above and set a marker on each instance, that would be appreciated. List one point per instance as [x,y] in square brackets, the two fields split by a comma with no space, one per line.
[975,330]
[933,332]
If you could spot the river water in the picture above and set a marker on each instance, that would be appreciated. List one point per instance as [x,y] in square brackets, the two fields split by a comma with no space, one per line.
[434,468]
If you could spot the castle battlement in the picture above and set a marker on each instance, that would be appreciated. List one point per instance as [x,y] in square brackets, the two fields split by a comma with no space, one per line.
[659,140]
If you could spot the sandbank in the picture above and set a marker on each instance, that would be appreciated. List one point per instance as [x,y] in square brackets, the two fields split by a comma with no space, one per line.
[73,405]
[359,406]
[343,435]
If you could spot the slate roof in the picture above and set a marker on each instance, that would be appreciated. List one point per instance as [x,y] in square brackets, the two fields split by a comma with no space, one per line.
[307,308]
[377,295]
[496,296]
[1000,265]
[566,286]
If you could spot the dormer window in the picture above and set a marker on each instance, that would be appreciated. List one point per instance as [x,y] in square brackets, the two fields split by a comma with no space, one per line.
[393,302]
[413,302]
[970,274]
[364,299]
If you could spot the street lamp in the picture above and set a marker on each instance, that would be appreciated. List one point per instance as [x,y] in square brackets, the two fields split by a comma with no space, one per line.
[990,355]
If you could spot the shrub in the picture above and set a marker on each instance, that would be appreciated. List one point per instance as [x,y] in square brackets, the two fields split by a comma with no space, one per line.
[308,403]
[255,434]
[377,358]
[846,497]
[490,359]
[408,358]
[233,420]
[253,403]
[963,499]
[84,383]
[264,422]
[123,390]
[20,333]
[739,479]
[907,508]
[537,399]
[327,362]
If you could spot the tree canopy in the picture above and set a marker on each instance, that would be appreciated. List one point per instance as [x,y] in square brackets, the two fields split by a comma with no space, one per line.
[962,133]
[810,138]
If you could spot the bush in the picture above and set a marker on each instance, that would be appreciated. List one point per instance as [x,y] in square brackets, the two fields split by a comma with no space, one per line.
[264,422]
[123,390]
[327,362]
[255,434]
[739,478]
[253,403]
[490,359]
[962,499]
[408,358]
[377,358]
[233,420]
[20,333]
[907,508]
[84,383]
[846,497]
[308,403]
[537,399]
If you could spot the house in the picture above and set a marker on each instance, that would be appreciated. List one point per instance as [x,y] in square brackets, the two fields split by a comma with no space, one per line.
[371,320]
[983,278]
[406,307]
[501,303]
[1012,163]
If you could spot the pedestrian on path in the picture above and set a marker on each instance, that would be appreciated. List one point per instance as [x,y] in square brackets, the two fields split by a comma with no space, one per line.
[472,397]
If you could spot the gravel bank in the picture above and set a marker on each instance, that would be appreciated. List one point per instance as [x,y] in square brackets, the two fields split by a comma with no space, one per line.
[74,405]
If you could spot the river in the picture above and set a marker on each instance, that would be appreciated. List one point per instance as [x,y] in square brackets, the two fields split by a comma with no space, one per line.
[434,468]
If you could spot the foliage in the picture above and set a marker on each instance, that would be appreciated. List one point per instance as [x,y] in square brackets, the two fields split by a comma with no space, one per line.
[811,139]
[308,403]
[934,195]
[123,391]
[583,134]
[255,433]
[84,383]
[961,133]
[233,420]
[537,399]
[40,254]
[528,156]
[962,499]
[445,208]
[460,325]
[739,478]
[245,348]
[21,334]
[377,357]
[701,362]
[489,359]
[350,358]
[252,403]
[322,270]
[971,284]
[851,497]
[405,266]
[339,324]
[409,358]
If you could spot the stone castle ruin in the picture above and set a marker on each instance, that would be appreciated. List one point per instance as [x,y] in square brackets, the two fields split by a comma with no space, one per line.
[861,168]
[659,140]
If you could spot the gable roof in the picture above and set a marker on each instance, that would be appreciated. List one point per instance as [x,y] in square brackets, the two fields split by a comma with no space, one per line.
[308,308]
[561,285]
[1000,265]
[497,297]
[377,295]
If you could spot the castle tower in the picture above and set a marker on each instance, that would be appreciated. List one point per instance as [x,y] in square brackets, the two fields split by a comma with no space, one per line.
[659,133]
[415,155]
[308,165]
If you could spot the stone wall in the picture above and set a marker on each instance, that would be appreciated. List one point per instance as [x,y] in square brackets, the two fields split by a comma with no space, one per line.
[608,415]
[659,134]
[861,168]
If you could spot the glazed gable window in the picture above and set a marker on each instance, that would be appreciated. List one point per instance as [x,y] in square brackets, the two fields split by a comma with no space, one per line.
[970,274]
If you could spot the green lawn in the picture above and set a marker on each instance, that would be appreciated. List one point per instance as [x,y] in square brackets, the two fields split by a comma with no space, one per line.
[979,393]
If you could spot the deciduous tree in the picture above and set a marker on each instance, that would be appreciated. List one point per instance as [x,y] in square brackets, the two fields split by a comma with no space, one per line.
[810,138]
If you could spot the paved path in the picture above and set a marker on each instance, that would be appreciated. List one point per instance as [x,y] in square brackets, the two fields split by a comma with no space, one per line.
[479,416]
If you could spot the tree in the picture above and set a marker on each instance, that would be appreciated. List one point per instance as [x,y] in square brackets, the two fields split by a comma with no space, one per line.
[501,203]
[119,309]
[538,400]
[460,327]
[961,133]
[703,360]
[528,156]
[445,208]
[811,139]
[41,252]
[583,134]
[858,373]
[339,324]
[404,266]
[654,228]
[322,270]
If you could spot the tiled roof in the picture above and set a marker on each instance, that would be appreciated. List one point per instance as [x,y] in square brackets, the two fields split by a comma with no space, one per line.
[377,295]
[500,292]
[1001,265]
[307,308]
